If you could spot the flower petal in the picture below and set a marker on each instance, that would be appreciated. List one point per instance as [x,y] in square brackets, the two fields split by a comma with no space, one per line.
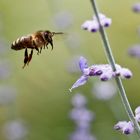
[83,63]
[81,81]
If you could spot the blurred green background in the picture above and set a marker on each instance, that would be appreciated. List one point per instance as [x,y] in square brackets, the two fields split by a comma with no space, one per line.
[43,97]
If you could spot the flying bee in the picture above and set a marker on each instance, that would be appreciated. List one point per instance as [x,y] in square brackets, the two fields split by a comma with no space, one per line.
[35,41]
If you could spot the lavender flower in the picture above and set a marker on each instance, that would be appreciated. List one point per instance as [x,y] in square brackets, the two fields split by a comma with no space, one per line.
[93,25]
[137,110]
[81,135]
[81,81]
[134,51]
[15,130]
[63,20]
[128,128]
[136,7]
[81,114]
[137,113]
[82,118]
[137,117]
[103,71]
[83,64]
[7,95]
[125,127]
[78,100]
[104,90]
[120,125]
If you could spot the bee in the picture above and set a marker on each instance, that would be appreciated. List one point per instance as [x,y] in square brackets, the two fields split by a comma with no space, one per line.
[35,41]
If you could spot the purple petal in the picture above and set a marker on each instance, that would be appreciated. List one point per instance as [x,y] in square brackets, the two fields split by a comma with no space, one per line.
[136,7]
[106,22]
[137,117]
[126,73]
[83,63]
[120,125]
[128,128]
[94,27]
[86,24]
[134,51]
[137,110]
[81,81]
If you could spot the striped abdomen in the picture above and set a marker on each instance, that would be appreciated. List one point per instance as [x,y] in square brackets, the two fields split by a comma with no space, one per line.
[22,43]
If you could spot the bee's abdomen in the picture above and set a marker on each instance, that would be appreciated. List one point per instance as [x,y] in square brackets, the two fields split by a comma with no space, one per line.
[21,43]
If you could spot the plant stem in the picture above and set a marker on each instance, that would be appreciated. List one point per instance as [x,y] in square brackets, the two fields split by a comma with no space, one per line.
[111,60]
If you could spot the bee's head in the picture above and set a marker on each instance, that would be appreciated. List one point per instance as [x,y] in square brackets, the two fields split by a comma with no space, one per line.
[48,37]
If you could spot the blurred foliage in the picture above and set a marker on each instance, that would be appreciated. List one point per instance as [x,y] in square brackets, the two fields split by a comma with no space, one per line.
[43,97]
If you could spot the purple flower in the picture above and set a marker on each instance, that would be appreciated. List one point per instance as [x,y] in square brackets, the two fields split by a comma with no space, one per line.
[125,127]
[93,25]
[15,130]
[136,7]
[81,135]
[120,125]
[137,113]
[104,71]
[63,20]
[78,100]
[101,17]
[125,73]
[107,75]
[106,22]
[83,63]
[137,110]
[86,24]
[134,51]
[81,115]
[104,90]
[128,128]
[137,117]
[81,81]
[7,95]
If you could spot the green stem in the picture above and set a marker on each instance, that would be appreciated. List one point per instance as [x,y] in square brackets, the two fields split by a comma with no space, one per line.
[111,60]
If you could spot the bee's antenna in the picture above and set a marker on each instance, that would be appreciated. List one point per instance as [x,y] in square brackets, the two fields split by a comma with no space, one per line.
[57,33]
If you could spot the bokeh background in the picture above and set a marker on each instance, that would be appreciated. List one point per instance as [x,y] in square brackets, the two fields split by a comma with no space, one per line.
[35,101]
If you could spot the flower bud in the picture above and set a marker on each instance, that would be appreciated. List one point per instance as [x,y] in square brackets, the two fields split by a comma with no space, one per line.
[120,125]
[126,73]
[106,22]
[137,110]
[137,117]
[86,24]
[128,128]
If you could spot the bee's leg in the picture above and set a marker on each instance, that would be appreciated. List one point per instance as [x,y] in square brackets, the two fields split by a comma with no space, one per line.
[30,57]
[36,47]
[51,42]
[40,50]
[25,57]
[37,50]
[46,45]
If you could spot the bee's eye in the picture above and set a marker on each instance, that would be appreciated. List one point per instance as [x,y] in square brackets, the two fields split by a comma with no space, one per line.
[46,35]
